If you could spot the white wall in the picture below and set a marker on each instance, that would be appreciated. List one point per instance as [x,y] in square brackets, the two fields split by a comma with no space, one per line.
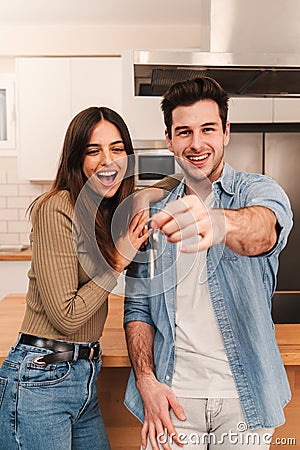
[93,40]
[7,64]
[15,196]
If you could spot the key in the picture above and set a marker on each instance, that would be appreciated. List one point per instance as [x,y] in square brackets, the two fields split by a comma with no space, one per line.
[155,235]
[151,263]
[153,253]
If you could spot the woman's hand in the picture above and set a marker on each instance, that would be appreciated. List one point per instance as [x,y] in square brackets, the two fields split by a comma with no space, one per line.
[143,198]
[128,245]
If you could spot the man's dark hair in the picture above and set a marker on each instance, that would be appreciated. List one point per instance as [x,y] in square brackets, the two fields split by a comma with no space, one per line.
[185,93]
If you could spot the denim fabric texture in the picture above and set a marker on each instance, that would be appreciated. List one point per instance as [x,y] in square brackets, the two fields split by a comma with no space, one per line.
[49,407]
[241,290]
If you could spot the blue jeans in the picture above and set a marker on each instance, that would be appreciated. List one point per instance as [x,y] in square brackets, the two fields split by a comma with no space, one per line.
[52,407]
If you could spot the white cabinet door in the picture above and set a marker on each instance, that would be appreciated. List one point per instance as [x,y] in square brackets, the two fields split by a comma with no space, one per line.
[144,117]
[13,276]
[286,110]
[250,110]
[96,82]
[50,92]
[43,113]
[142,114]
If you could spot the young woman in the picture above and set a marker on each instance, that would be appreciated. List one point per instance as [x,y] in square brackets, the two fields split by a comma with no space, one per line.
[48,393]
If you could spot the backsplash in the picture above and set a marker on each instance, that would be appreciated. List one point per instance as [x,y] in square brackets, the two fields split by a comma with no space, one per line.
[15,197]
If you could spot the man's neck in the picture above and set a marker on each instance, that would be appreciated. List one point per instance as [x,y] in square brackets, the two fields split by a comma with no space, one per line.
[201,188]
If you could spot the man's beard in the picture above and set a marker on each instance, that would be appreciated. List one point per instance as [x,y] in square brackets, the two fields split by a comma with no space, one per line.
[194,173]
[197,181]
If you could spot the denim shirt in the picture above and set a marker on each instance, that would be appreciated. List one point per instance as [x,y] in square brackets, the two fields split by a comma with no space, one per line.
[241,290]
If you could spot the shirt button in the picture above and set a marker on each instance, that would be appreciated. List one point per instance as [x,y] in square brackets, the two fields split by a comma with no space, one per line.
[167,377]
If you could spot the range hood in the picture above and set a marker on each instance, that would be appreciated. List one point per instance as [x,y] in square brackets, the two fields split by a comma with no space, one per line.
[249,75]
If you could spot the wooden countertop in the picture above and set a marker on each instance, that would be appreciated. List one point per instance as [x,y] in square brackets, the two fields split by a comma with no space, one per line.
[24,255]
[113,343]
[12,309]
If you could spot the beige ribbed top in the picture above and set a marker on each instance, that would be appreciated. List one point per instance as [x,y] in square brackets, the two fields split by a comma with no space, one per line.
[63,302]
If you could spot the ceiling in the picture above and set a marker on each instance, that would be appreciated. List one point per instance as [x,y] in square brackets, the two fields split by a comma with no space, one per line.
[99,12]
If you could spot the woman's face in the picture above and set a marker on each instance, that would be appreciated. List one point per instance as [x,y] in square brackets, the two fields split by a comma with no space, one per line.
[105,160]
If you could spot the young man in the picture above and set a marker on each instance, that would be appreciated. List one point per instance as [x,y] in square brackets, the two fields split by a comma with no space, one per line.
[207,372]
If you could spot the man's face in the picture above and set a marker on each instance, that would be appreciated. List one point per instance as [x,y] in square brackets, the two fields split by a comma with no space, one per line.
[198,140]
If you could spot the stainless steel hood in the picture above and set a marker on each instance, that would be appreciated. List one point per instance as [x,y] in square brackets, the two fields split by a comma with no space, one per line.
[250,75]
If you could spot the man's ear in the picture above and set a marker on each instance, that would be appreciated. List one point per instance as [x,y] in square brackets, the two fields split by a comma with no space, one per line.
[227,134]
[168,141]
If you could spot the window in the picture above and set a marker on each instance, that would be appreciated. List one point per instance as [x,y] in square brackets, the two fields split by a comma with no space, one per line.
[7,115]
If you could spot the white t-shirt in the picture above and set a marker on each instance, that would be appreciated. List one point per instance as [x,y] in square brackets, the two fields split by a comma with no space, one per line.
[201,365]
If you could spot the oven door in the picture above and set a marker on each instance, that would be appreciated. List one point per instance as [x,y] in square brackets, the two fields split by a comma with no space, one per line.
[153,165]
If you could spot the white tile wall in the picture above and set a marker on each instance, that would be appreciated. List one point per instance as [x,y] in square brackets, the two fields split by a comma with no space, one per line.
[15,197]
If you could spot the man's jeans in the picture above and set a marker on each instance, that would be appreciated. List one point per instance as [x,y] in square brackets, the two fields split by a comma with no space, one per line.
[216,423]
[52,407]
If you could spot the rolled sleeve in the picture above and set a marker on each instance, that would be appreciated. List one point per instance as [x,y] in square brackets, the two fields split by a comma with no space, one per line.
[266,192]
[136,306]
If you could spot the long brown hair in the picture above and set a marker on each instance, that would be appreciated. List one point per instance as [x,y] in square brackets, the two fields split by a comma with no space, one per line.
[70,177]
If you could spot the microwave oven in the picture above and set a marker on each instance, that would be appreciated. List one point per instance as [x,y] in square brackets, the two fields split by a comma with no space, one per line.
[153,161]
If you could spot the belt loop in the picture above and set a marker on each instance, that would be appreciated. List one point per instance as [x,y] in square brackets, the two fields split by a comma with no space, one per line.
[76,351]
[17,343]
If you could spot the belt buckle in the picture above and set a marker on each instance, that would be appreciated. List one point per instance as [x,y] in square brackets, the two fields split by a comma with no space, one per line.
[92,351]
[38,361]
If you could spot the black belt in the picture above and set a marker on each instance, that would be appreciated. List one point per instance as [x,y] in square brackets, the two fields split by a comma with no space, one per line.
[64,351]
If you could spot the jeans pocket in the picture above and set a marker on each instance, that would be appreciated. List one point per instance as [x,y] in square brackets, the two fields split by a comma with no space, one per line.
[34,375]
[3,383]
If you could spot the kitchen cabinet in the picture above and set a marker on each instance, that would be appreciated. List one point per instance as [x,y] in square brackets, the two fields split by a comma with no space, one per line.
[50,91]
[286,110]
[43,113]
[250,110]
[264,110]
[144,117]
[96,82]
[142,114]
[13,277]
[7,115]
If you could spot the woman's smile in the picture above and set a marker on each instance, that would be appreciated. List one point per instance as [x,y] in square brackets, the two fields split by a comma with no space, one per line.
[105,161]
